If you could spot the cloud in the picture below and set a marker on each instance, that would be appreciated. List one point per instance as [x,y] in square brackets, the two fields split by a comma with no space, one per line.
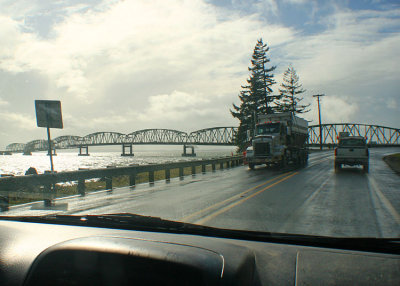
[176,106]
[127,65]
[3,102]
[392,104]
[91,49]
[351,61]
[17,120]
[352,48]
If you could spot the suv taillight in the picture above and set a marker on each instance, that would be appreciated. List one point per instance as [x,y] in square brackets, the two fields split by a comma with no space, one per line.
[335,151]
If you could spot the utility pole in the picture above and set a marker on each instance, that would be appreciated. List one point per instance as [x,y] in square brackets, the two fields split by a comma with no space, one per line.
[319,116]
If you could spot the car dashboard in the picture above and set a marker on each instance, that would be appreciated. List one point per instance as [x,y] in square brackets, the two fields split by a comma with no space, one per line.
[53,254]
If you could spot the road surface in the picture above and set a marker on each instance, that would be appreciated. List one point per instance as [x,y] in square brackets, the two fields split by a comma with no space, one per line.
[311,200]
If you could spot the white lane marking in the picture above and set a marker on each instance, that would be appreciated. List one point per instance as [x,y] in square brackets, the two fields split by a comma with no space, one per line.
[303,208]
[318,162]
[386,203]
[297,268]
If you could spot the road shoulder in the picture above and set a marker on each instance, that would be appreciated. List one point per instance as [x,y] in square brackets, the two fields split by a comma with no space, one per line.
[393,161]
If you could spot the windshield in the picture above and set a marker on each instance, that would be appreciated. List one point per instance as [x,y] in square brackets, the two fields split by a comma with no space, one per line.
[268,128]
[352,142]
[148,108]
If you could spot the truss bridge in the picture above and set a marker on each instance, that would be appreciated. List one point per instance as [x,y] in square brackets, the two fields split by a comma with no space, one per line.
[220,136]
[375,135]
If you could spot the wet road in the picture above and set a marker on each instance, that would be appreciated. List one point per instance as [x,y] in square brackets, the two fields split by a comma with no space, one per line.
[311,200]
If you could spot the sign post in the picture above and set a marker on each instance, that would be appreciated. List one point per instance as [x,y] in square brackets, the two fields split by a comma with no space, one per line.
[48,114]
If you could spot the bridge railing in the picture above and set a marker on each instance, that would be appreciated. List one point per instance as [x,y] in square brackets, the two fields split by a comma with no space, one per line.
[27,186]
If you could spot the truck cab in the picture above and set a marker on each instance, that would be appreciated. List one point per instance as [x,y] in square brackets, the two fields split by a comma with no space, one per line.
[278,139]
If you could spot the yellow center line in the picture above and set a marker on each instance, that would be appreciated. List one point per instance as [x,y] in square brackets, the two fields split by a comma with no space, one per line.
[231,198]
[213,215]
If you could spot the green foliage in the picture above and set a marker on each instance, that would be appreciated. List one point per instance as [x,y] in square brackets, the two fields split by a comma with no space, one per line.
[289,99]
[255,97]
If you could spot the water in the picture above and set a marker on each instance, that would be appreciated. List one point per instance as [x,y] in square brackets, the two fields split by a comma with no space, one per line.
[102,157]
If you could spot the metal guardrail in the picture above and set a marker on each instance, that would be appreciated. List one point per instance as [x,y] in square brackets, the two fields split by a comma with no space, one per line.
[23,186]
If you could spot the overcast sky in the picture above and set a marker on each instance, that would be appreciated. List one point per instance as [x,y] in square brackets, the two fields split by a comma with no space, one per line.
[129,65]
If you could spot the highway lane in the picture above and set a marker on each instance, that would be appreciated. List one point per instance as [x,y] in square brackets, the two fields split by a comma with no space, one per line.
[316,200]
[310,200]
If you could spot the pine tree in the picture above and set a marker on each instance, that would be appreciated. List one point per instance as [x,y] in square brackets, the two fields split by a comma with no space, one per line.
[256,97]
[289,99]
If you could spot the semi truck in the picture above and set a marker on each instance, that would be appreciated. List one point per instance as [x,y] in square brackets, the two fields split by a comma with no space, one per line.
[278,139]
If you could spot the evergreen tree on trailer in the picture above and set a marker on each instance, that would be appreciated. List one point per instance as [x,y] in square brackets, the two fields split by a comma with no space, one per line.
[289,99]
[255,97]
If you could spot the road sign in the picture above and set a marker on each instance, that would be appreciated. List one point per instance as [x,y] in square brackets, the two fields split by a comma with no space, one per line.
[48,113]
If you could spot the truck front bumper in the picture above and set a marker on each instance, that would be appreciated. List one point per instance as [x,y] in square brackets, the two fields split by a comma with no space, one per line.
[264,160]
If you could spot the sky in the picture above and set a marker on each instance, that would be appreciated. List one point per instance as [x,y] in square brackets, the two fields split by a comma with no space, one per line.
[129,65]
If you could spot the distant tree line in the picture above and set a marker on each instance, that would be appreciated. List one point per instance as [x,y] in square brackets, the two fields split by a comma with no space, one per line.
[256,97]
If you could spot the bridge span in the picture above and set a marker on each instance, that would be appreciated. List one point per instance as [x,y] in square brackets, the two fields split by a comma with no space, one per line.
[220,136]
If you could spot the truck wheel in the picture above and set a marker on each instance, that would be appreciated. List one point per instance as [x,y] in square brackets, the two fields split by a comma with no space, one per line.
[251,166]
[338,167]
[366,168]
[299,160]
[283,162]
[305,162]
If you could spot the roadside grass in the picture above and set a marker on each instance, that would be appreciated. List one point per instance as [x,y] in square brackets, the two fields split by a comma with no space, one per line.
[393,161]
[64,190]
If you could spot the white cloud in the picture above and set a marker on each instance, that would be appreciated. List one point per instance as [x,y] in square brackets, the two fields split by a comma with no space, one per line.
[139,64]
[92,49]
[351,61]
[392,104]
[353,48]
[176,106]
[3,102]
[338,110]
[17,120]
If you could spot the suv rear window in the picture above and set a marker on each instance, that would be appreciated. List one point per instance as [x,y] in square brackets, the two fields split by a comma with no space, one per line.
[352,142]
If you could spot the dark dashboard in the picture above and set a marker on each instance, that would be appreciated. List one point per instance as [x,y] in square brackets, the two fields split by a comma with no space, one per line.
[53,254]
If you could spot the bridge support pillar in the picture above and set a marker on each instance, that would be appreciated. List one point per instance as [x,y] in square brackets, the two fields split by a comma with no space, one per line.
[53,152]
[27,153]
[185,154]
[129,146]
[85,148]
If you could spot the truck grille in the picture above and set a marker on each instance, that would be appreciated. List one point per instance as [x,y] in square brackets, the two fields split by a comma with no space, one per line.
[261,149]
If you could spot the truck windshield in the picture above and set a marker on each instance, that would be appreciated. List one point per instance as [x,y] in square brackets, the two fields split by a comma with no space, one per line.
[268,128]
[352,142]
